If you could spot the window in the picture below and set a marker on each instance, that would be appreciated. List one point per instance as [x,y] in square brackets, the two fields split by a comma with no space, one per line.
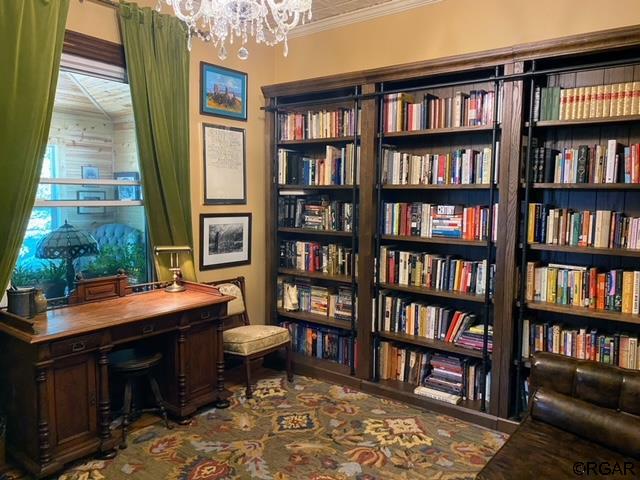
[89,196]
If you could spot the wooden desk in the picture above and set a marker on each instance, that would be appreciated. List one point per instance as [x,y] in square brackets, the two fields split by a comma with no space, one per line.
[55,378]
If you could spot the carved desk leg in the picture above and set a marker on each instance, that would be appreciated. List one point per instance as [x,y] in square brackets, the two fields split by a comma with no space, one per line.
[182,374]
[44,446]
[104,404]
[220,402]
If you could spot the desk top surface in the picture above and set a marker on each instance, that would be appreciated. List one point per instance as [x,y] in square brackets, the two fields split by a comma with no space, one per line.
[95,316]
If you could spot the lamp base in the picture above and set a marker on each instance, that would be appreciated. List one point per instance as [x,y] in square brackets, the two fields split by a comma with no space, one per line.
[175,287]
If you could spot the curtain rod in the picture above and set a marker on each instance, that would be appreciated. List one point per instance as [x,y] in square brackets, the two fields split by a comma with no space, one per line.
[106,3]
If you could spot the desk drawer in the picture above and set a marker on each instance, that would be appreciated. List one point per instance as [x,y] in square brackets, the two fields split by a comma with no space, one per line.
[75,345]
[208,313]
[142,329]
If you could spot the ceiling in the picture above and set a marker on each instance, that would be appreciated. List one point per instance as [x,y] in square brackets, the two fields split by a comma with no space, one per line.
[323,9]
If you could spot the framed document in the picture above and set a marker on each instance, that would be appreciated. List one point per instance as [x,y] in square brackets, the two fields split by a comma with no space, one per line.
[224,165]
[225,240]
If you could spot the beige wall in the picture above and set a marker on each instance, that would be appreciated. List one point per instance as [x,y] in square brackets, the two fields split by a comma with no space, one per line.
[449,27]
[100,21]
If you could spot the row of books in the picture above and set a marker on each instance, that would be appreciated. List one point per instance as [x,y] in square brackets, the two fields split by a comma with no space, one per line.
[620,349]
[299,296]
[565,226]
[318,124]
[314,213]
[403,315]
[435,272]
[614,290]
[610,163]
[462,167]
[319,342]
[595,101]
[332,259]
[335,168]
[405,112]
[447,221]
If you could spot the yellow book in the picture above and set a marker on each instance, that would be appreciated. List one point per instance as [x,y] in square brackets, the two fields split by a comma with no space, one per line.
[628,97]
[615,92]
[627,292]
[620,100]
[532,219]
[586,103]
[635,100]
[606,101]
[552,280]
[593,102]
[563,104]
[599,100]
[571,102]
[577,103]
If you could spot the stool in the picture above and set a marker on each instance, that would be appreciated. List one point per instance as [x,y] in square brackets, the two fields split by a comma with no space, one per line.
[131,370]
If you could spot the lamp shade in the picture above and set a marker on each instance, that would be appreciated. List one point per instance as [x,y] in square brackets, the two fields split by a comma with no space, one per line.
[66,242]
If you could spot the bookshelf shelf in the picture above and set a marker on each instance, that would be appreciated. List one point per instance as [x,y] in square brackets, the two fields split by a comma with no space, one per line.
[621,252]
[313,363]
[310,231]
[438,131]
[586,121]
[315,188]
[472,186]
[435,240]
[406,389]
[316,275]
[429,343]
[315,318]
[584,312]
[586,186]
[469,297]
[316,141]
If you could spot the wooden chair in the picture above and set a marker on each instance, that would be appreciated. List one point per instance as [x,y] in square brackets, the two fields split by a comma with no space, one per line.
[250,341]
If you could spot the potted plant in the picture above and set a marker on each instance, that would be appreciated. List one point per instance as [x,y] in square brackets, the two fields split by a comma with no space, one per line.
[52,278]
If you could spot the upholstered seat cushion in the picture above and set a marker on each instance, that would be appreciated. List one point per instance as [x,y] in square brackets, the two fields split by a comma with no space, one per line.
[253,338]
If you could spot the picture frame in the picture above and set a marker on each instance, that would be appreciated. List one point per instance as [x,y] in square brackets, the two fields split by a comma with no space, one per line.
[225,240]
[128,192]
[89,172]
[225,165]
[223,92]
[91,195]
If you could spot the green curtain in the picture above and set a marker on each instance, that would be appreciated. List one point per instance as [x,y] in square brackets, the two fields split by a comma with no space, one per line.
[157,58]
[31,37]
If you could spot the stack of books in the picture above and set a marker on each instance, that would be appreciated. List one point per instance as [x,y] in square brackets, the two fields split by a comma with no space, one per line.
[473,337]
[435,272]
[599,229]
[462,167]
[448,221]
[619,349]
[318,124]
[595,101]
[451,380]
[314,213]
[335,168]
[332,259]
[319,342]
[614,290]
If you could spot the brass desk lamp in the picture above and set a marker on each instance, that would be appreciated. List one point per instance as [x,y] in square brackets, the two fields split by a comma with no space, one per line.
[175,265]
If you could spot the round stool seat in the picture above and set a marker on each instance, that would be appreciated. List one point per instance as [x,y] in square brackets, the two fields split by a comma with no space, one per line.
[136,365]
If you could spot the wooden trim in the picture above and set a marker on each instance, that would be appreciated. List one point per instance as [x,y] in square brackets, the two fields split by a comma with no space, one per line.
[93,48]
[596,41]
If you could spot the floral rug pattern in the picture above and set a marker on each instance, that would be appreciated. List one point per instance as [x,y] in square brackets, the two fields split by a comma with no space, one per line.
[305,430]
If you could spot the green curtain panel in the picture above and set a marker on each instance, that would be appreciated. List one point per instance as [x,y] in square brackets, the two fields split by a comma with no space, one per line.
[31,37]
[157,58]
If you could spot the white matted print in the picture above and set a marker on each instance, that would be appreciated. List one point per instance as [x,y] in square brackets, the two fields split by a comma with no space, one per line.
[225,240]
[224,165]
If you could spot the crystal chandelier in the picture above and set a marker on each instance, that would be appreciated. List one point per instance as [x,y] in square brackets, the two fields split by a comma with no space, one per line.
[216,21]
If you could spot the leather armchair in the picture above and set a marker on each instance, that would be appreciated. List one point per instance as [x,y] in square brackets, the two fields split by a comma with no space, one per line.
[583,419]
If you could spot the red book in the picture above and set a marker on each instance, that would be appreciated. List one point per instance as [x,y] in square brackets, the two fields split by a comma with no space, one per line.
[602,285]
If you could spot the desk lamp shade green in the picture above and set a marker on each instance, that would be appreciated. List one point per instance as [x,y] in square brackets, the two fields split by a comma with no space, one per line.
[67,243]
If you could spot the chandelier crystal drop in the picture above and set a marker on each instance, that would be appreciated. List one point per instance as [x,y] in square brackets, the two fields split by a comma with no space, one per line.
[222,22]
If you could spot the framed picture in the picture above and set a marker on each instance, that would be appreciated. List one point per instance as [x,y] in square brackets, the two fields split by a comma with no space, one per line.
[225,240]
[224,160]
[127,192]
[89,172]
[223,92]
[92,195]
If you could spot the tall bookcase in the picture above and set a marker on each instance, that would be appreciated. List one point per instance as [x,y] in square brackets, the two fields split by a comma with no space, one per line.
[598,58]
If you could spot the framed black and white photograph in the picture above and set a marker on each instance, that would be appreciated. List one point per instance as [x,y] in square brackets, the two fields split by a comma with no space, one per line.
[127,192]
[94,196]
[225,240]
[224,165]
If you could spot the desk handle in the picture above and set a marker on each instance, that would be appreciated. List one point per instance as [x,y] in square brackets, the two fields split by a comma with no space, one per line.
[78,346]
[147,329]
[205,315]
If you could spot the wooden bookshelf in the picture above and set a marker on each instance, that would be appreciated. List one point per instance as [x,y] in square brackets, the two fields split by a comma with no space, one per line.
[317,187]
[585,312]
[438,131]
[586,121]
[315,275]
[430,343]
[618,252]
[435,240]
[407,390]
[315,318]
[310,231]
[316,141]
[586,186]
[471,186]
[468,297]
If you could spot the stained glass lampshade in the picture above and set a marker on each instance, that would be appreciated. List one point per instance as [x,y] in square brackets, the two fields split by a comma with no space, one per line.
[67,243]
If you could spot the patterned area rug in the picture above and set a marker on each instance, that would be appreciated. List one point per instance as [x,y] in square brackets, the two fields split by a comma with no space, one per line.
[305,430]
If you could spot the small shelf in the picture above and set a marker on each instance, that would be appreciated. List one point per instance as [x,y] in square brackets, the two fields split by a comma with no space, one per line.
[435,240]
[315,318]
[437,131]
[469,297]
[584,312]
[430,343]
[317,275]
[586,121]
[622,252]
[406,389]
[316,187]
[585,186]
[316,141]
[472,186]
[311,231]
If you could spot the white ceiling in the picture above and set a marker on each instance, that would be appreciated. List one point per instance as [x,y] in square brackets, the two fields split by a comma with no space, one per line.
[330,8]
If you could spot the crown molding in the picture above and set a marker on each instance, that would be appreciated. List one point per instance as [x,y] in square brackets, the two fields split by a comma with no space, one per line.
[369,13]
